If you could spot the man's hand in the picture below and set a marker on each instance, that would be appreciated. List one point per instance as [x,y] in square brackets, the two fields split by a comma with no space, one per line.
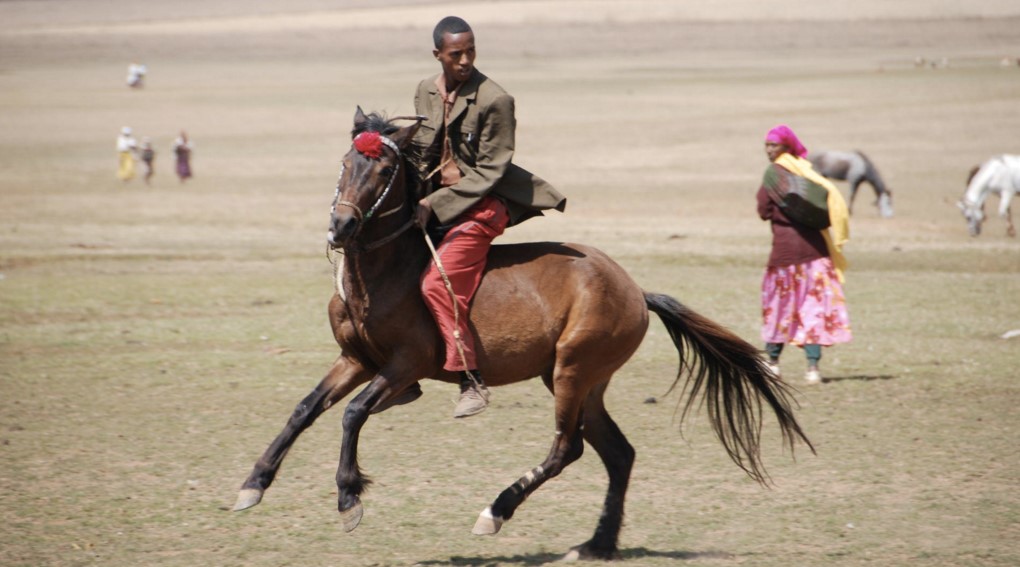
[424,212]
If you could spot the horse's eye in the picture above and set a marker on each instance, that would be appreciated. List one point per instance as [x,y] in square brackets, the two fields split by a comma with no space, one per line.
[387,171]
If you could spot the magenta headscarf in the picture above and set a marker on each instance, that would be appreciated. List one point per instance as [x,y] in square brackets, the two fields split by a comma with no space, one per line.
[783,135]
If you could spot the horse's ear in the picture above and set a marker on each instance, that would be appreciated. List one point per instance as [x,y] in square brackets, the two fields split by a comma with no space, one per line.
[359,118]
[404,136]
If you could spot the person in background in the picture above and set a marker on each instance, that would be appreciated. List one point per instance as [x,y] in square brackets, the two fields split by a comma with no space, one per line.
[126,148]
[802,292]
[148,156]
[136,75]
[182,156]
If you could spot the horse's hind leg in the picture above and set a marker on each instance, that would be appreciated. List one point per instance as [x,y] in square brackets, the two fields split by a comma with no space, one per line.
[885,206]
[343,377]
[567,447]
[618,456]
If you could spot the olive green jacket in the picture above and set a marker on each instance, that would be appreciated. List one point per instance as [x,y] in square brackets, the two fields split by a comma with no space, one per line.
[481,129]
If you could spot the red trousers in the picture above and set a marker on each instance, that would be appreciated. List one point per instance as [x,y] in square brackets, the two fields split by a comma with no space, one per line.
[463,254]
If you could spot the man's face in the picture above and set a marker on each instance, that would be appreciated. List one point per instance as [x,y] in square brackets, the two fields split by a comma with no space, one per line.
[457,56]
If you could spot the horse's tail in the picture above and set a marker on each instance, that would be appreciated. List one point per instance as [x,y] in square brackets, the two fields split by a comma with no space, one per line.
[872,175]
[734,378]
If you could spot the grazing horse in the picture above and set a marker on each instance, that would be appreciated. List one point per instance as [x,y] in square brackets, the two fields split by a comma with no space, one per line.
[1000,174]
[564,312]
[855,168]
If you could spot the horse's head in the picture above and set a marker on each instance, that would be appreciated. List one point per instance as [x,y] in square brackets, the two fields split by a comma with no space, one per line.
[371,184]
[973,211]
[974,214]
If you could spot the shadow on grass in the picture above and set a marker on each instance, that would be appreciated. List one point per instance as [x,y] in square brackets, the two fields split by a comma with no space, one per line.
[545,558]
[859,377]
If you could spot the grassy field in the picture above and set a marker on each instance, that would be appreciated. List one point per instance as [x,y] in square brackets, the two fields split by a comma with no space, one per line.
[153,340]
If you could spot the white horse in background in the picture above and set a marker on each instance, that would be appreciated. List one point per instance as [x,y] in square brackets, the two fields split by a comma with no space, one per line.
[855,168]
[1000,174]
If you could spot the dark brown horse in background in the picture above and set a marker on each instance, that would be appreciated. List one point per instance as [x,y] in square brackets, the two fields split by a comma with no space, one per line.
[564,312]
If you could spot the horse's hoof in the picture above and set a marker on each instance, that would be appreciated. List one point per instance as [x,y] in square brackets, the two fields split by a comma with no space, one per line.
[351,517]
[586,552]
[247,498]
[487,524]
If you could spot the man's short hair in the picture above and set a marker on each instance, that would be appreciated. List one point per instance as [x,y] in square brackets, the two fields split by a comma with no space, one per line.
[448,25]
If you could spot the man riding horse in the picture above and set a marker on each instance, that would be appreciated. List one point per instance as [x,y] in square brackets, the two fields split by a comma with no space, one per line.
[473,191]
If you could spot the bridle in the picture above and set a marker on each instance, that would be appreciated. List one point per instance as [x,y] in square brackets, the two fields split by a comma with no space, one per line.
[367,149]
[363,218]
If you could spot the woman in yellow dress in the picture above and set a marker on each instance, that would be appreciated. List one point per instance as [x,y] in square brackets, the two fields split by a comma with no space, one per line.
[126,147]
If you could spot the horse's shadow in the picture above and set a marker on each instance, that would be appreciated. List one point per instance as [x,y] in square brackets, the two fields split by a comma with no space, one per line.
[545,558]
[860,377]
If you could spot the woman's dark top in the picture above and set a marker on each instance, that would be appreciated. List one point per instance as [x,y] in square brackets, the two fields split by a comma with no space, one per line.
[792,243]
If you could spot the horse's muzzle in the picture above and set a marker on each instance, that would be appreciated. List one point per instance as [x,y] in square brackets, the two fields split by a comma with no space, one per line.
[342,228]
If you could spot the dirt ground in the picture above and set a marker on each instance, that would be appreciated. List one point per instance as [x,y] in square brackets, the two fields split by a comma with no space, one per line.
[153,339]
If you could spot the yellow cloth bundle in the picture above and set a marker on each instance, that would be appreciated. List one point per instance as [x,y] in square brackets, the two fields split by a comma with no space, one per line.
[838,232]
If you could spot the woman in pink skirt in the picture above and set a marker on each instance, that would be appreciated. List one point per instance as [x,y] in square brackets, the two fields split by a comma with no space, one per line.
[182,152]
[802,293]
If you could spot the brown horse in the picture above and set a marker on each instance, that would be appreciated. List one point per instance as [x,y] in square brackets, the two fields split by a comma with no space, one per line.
[564,312]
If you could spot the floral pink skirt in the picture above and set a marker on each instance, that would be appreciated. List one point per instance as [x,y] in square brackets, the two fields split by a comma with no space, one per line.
[804,304]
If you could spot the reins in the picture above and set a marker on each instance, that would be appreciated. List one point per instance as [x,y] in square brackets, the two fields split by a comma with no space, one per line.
[456,312]
[363,218]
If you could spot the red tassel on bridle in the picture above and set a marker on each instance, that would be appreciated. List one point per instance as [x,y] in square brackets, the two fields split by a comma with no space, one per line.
[369,144]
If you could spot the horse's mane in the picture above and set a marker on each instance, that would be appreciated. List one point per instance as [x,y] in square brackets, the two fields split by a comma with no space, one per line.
[979,184]
[973,172]
[375,122]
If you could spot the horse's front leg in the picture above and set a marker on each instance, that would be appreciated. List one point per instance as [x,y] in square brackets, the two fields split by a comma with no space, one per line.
[854,186]
[350,481]
[345,375]
[1005,211]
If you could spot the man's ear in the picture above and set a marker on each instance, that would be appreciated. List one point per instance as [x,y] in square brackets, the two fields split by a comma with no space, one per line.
[435,53]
